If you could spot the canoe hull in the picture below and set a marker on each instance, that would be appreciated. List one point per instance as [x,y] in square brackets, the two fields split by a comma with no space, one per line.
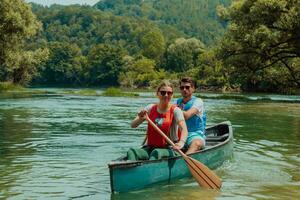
[128,176]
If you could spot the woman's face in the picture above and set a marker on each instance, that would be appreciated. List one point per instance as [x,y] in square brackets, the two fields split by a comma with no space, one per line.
[165,94]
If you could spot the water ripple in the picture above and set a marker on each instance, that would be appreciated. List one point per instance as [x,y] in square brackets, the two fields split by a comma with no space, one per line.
[59,147]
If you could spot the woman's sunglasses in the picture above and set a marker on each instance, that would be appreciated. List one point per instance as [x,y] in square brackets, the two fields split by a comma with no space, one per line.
[187,87]
[163,93]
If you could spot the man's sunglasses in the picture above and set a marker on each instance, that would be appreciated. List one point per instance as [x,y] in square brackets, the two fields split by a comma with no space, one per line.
[163,93]
[187,87]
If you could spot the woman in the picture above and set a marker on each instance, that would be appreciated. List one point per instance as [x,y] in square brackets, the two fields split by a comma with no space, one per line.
[168,118]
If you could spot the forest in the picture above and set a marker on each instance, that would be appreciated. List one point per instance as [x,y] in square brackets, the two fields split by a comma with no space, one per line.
[226,45]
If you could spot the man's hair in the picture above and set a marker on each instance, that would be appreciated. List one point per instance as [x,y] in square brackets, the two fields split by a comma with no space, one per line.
[188,80]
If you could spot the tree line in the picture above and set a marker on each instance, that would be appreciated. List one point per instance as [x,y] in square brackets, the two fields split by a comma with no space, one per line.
[252,45]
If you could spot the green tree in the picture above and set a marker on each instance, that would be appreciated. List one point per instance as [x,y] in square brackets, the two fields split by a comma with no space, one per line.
[64,65]
[18,24]
[138,73]
[263,43]
[153,45]
[211,72]
[105,63]
[183,54]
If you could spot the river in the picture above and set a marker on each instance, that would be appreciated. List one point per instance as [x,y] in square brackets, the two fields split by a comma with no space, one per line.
[58,147]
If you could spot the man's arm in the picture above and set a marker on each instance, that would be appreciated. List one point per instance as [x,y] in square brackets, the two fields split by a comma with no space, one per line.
[197,108]
[189,113]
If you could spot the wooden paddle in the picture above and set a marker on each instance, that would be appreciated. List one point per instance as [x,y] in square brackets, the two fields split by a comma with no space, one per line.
[203,175]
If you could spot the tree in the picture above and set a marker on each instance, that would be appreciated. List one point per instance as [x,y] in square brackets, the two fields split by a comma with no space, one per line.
[153,45]
[263,43]
[211,72]
[105,63]
[183,54]
[64,65]
[138,73]
[17,25]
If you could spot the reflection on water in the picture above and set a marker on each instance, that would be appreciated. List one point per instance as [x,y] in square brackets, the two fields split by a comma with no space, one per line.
[59,147]
[13,147]
[188,190]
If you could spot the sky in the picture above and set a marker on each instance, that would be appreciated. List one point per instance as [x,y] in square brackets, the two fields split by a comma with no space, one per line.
[63,2]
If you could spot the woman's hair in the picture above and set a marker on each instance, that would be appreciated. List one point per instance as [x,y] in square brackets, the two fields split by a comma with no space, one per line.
[164,83]
[188,80]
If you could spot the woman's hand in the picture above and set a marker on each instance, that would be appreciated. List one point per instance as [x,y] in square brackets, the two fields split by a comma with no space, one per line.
[142,114]
[179,145]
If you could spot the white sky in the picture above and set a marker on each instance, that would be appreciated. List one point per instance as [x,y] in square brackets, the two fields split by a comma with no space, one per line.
[63,2]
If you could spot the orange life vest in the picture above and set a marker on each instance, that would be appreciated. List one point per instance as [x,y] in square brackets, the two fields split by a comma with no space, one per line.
[163,121]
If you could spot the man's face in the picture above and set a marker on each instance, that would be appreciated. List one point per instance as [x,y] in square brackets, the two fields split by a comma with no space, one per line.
[186,89]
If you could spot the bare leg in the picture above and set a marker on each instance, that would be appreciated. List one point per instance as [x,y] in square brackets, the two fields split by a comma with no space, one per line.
[195,146]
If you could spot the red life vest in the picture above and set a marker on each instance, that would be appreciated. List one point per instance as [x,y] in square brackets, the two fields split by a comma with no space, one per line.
[163,121]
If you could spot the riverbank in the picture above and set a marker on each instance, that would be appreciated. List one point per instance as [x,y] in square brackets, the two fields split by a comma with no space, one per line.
[22,92]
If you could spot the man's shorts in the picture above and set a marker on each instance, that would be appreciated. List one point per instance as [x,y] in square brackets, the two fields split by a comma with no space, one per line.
[195,135]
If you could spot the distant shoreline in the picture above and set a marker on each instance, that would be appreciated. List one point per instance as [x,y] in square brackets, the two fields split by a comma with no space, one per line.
[32,92]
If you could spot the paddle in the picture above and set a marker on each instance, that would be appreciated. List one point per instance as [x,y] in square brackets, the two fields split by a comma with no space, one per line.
[203,175]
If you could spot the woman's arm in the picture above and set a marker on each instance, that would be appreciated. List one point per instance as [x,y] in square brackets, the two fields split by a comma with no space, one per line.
[140,118]
[184,133]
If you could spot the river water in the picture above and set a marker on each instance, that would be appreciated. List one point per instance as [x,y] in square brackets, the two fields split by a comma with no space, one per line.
[58,147]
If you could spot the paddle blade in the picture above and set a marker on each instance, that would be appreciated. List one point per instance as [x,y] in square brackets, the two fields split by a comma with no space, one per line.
[203,175]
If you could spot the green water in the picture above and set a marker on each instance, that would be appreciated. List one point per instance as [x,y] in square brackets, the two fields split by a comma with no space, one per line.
[58,148]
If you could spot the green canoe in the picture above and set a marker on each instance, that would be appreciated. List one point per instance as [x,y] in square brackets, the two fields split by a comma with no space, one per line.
[127,176]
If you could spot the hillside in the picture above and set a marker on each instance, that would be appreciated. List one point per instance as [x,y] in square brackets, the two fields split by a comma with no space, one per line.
[195,18]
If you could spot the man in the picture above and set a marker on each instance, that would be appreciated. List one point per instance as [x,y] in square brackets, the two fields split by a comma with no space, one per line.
[195,117]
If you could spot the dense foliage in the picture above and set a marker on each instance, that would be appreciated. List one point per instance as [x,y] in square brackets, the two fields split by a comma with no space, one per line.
[135,43]
[262,45]
[195,18]
[17,24]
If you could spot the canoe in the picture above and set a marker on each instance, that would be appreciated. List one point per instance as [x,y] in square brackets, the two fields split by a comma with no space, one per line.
[128,176]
